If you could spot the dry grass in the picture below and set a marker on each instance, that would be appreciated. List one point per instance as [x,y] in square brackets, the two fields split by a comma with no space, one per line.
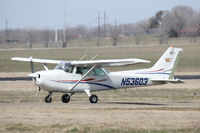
[188,61]
[167,108]
[41,117]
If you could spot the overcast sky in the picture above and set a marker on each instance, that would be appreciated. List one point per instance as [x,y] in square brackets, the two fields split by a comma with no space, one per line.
[50,13]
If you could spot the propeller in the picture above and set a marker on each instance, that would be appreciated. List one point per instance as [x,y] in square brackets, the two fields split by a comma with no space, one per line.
[33,75]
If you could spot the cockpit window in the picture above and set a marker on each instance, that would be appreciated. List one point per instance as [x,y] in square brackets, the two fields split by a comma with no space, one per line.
[95,71]
[65,66]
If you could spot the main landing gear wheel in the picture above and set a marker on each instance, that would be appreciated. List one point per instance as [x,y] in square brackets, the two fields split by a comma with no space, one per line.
[48,99]
[65,98]
[93,99]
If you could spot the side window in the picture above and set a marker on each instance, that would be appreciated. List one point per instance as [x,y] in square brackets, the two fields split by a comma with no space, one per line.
[95,71]
[69,69]
[82,70]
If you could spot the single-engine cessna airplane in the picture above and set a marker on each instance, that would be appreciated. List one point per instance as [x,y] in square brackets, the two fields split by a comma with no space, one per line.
[89,75]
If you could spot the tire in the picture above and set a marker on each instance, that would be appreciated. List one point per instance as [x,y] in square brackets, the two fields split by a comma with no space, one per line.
[48,99]
[65,98]
[93,99]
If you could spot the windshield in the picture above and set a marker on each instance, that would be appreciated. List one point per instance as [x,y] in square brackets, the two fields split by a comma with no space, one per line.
[62,65]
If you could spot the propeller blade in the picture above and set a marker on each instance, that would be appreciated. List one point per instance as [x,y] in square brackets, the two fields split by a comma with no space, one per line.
[34,76]
[32,66]
[35,86]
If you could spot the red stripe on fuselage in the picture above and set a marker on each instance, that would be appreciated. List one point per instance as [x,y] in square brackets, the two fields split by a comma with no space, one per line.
[154,71]
[85,80]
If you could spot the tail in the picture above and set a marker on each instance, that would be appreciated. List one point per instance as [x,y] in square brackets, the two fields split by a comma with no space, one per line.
[165,67]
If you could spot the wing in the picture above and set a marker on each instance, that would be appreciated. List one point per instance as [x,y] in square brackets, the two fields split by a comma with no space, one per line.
[36,60]
[114,62]
[88,63]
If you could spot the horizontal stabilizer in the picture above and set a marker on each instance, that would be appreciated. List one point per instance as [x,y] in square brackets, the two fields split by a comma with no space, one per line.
[168,80]
[36,60]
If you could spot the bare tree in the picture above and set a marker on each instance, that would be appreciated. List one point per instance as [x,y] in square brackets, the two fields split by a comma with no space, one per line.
[45,36]
[194,27]
[197,23]
[115,31]
[31,36]
[176,20]
[145,25]
[138,31]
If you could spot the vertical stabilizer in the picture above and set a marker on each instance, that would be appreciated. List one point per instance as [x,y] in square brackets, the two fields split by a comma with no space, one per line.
[167,63]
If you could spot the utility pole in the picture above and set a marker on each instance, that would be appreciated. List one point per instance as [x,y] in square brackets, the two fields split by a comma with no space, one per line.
[116,27]
[6,28]
[115,34]
[64,31]
[56,35]
[104,18]
[98,39]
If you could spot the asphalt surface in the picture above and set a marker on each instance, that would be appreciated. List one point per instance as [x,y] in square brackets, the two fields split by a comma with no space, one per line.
[185,77]
[194,105]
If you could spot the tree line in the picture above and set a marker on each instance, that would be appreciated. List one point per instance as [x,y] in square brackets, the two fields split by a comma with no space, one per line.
[180,21]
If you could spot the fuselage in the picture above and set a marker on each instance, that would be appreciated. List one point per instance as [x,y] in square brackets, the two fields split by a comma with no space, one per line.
[60,81]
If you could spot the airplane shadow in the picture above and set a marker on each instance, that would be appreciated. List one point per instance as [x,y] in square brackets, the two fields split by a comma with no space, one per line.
[135,103]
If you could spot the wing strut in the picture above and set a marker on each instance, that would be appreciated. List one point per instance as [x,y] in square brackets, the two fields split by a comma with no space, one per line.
[83,77]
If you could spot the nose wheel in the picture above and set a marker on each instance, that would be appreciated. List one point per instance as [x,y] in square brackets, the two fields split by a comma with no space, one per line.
[93,99]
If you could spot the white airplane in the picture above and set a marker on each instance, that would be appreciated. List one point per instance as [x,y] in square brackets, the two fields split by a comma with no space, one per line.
[89,75]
